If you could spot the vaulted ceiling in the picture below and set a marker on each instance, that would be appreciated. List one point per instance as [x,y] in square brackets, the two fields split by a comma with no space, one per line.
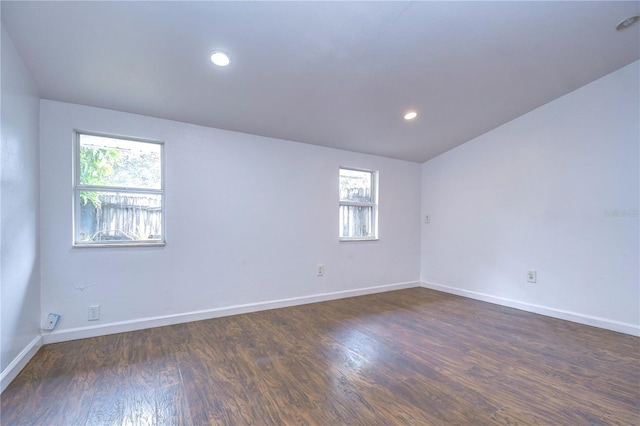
[336,74]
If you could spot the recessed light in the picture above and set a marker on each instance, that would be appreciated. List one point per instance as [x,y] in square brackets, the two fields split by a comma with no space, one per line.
[628,22]
[410,115]
[221,59]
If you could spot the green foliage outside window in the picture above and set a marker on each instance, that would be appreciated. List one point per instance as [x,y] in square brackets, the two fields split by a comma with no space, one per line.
[117,167]
[96,167]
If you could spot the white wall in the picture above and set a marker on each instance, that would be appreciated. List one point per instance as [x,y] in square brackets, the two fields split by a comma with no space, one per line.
[535,194]
[20,260]
[248,218]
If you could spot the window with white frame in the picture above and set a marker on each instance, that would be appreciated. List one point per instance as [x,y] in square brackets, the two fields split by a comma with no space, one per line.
[358,204]
[118,191]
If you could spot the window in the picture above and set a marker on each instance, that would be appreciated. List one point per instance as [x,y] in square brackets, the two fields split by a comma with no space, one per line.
[118,191]
[358,204]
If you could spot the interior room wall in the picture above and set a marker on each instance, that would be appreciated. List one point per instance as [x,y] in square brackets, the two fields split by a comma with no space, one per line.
[556,191]
[19,205]
[248,218]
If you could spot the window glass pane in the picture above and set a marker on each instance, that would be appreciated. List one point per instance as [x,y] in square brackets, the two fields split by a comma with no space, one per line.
[118,162]
[118,216]
[355,186]
[356,221]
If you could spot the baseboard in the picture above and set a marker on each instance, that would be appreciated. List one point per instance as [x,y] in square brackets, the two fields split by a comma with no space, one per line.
[12,370]
[618,326]
[143,323]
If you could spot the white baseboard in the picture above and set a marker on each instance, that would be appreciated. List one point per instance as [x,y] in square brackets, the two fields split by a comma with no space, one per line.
[142,323]
[12,370]
[618,326]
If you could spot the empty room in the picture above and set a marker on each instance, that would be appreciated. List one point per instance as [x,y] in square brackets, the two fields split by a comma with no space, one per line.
[320,213]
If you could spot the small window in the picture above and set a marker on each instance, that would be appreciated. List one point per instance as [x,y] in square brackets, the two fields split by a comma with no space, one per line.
[118,191]
[358,204]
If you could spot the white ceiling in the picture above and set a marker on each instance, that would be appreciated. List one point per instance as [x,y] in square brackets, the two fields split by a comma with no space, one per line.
[337,74]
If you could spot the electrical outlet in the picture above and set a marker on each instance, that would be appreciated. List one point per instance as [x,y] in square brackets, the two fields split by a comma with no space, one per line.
[52,320]
[320,270]
[94,312]
[532,276]
[427,218]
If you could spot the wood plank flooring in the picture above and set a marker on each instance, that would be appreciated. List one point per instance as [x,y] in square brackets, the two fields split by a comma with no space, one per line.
[409,357]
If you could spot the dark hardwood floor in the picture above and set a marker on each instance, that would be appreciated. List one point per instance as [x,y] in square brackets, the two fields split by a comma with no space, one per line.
[414,357]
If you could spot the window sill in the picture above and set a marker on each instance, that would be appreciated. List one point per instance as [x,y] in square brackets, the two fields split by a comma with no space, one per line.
[128,244]
[352,240]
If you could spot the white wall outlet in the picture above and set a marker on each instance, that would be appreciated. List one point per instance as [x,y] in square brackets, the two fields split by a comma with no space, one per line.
[94,312]
[320,270]
[427,218]
[51,322]
[532,276]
